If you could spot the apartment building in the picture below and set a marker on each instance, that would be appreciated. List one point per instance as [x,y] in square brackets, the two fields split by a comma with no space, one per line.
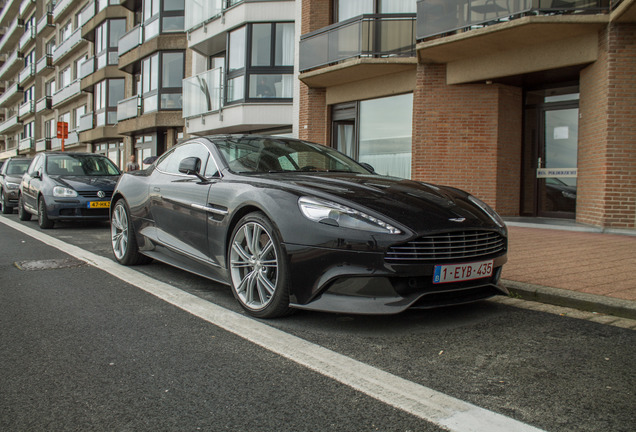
[243,55]
[527,104]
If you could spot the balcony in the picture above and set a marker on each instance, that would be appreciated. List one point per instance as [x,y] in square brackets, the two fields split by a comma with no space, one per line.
[87,67]
[87,13]
[45,22]
[24,6]
[45,62]
[242,117]
[8,12]
[11,37]
[366,36]
[128,108]
[43,144]
[13,123]
[202,93]
[435,19]
[73,138]
[67,93]
[131,40]
[199,12]
[11,66]
[12,93]
[43,104]
[27,37]
[86,122]
[26,144]
[60,9]
[67,46]
[26,108]
[26,73]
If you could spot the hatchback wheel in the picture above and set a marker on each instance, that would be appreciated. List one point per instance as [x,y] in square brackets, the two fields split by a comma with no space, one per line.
[258,268]
[6,208]
[43,216]
[23,215]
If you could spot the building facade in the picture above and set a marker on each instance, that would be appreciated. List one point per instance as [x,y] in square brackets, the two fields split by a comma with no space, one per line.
[526,104]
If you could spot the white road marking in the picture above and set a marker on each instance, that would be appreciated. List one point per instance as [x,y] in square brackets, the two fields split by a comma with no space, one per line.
[445,411]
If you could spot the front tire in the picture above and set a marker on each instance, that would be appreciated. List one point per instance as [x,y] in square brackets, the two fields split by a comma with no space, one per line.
[6,208]
[23,215]
[123,238]
[43,216]
[258,268]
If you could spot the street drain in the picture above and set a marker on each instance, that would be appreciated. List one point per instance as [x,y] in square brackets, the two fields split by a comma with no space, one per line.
[49,264]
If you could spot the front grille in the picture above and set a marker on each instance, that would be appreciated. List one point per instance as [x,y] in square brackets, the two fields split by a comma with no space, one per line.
[447,247]
[93,194]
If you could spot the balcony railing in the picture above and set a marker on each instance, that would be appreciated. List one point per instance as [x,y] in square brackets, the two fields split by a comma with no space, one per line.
[87,13]
[26,73]
[10,123]
[43,104]
[86,122]
[25,5]
[390,35]
[131,40]
[26,144]
[28,36]
[44,63]
[67,92]
[10,63]
[202,93]
[10,92]
[87,67]
[128,108]
[8,34]
[26,108]
[43,144]
[198,12]
[73,138]
[45,21]
[66,46]
[436,18]
[60,7]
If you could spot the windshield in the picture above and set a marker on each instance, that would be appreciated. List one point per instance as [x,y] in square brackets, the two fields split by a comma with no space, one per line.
[80,165]
[271,154]
[18,167]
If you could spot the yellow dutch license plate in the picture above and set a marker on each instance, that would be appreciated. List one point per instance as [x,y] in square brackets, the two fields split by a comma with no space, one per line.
[99,204]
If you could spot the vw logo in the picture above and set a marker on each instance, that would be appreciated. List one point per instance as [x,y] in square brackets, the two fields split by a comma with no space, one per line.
[101,194]
[458,220]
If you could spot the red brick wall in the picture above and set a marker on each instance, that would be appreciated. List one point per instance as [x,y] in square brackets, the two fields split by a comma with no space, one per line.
[468,136]
[313,116]
[606,194]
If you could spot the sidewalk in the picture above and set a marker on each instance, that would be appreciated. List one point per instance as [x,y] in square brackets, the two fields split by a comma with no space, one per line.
[565,264]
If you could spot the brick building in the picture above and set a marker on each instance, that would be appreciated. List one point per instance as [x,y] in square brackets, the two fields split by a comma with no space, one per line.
[527,104]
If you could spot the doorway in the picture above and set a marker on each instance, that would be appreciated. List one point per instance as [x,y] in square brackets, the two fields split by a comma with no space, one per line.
[551,153]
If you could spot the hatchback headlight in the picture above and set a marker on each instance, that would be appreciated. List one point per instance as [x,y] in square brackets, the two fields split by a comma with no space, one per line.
[331,213]
[489,211]
[12,186]
[63,192]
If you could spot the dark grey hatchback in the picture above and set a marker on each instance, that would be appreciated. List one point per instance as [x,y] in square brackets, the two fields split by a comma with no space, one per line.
[67,186]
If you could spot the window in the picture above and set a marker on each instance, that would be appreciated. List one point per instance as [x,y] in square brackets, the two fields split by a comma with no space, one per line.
[50,87]
[107,94]
[260,66]
[346,9]
[66,31]
[50,47]
[77,65]
[50,129]
[107,37]
[28,130]
[170,163]
[29,58]
[78,113]
[64,78]
[162,80]
[162,16]
[29,94]
[378,132]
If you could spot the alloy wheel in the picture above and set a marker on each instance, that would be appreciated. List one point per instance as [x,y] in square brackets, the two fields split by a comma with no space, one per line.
[119,231]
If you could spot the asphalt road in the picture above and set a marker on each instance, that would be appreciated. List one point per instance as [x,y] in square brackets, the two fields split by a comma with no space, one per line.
[84,350]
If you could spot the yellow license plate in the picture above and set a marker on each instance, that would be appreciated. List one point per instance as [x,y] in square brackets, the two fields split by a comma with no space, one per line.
[99,204]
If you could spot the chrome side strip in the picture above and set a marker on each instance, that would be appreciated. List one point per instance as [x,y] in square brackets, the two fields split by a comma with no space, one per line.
[209,209]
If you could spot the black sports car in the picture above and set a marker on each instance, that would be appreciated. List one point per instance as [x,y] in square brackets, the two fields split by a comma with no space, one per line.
[291,224]
[67,186]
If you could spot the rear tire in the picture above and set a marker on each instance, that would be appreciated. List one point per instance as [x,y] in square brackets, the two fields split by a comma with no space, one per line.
[6,208]
[23,215]
[258,268]
[123,237]
[43,216]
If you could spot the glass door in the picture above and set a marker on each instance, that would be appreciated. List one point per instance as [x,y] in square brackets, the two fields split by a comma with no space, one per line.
[556,173]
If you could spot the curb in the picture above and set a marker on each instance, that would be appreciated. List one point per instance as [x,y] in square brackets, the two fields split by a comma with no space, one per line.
[576,300]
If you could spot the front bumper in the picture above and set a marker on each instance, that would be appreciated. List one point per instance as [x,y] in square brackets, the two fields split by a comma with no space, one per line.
[363,283]
[75,209]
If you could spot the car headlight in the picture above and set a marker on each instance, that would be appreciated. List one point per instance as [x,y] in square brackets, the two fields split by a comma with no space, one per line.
[11,185]
[489,211]
[331,213]
[568,195]
[63,192]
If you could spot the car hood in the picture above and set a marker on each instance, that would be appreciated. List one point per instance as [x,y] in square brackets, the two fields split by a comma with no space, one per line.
[13,179]
[418,206]
[83,183]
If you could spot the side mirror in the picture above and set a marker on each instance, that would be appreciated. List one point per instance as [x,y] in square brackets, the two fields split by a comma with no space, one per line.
[37,175]
[191,166]
[367,166]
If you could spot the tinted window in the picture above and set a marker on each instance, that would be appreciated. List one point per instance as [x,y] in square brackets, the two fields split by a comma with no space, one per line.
[18,167]
[80,165]
[170,163]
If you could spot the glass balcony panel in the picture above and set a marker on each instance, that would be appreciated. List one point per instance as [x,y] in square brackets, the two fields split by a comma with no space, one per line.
[130,40]
[43,63]
[26,144]
[67,92]
[43,144]
[28,36]
[128,108]
[67,45]
[435,18]
[10,123]
[150,104]
[60,7]
[87,67]
[366,36]
[27,73]
[202,93]
[26,108]
[151,30]
[87,13]
[45,21]
[86,122]
[199,11]
[10,92]
[43,104]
